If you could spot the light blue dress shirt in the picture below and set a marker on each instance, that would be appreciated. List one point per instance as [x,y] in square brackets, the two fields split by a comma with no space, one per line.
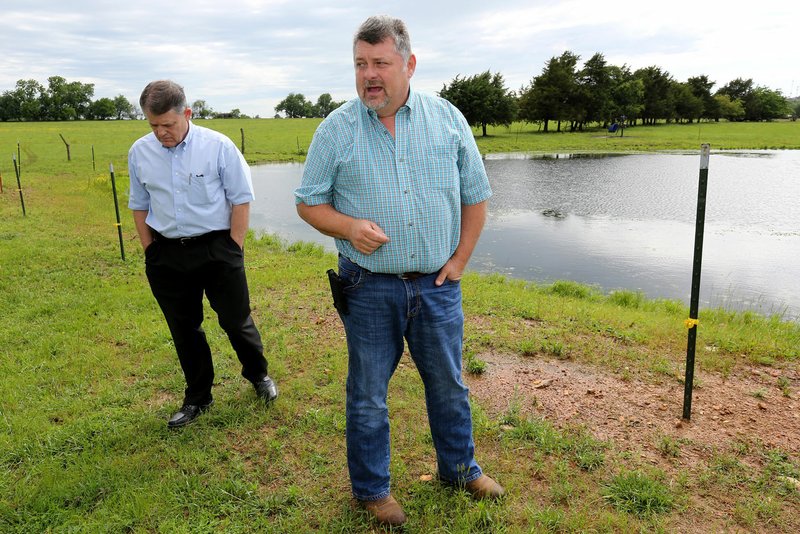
[188,190]
[412,185]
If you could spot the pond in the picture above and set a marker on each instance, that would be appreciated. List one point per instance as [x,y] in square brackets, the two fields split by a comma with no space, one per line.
[621,222]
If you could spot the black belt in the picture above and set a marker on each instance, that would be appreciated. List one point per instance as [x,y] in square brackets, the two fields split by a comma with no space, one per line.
[411,275]
[405,276]
[187,241]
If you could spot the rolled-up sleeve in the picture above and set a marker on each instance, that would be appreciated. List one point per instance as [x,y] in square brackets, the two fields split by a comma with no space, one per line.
[316,186]
[475,186]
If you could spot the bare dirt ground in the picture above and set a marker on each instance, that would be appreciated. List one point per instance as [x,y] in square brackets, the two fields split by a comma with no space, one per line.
[750,406]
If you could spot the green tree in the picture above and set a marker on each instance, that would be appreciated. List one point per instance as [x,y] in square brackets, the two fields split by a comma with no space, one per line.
[701,88]
[728,109]
[685,105]
[483,99]
[27,97]
[764,104]
[79,96]
[325,105]
[627,95]
[738,89]
[123,108]
[235,113]
[594,90]
[9,107]
[295,106]
[102,109]
[54,104]
[552,94]
[65,100]
[657,102]
[201,110]
[759,103]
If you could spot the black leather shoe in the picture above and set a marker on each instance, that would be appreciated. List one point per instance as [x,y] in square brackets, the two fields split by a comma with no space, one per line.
[266,389]
[187,414]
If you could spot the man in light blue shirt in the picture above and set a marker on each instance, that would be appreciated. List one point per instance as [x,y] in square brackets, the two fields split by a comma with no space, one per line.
[190,192]
[396,178]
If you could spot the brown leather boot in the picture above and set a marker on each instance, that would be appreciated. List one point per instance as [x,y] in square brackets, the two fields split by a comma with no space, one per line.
[484,487]
[386,511]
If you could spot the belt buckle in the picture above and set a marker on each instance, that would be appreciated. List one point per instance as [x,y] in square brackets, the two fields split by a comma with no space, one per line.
[185,240]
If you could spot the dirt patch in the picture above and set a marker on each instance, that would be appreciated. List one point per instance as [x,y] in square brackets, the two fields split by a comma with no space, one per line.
[754,405]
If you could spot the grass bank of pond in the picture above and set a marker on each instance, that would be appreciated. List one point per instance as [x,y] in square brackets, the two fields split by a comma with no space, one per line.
[90,377]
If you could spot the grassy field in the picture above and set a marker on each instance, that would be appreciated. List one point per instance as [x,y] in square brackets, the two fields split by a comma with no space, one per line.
[90,375]
[276,140]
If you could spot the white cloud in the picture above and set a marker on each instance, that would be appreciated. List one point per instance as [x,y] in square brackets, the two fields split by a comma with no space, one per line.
[249,54]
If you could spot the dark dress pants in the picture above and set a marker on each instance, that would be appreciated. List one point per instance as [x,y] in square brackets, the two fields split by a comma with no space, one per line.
[179,275]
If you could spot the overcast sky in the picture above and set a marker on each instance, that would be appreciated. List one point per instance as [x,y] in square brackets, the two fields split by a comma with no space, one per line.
[249,54]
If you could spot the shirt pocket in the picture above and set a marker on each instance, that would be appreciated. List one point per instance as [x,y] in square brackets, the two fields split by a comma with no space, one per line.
[204,187]
[440,166]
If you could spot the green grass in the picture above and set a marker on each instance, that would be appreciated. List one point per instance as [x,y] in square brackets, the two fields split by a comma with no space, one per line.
[521,137]
[279,140]
[90,377]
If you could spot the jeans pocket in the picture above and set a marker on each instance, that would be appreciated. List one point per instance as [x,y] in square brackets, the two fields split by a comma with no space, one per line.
[350,273]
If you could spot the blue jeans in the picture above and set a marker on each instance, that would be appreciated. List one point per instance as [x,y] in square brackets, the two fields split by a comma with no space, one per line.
[383,311]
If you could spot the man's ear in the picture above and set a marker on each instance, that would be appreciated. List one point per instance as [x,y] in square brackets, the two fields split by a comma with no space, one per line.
[411,65]
[187,113]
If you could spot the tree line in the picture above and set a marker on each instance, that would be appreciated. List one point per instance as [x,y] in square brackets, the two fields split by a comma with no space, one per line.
[602,94]
[61,100]
[564,93]
[296,106]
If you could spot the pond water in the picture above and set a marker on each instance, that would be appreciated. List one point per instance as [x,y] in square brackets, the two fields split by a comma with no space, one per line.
[621,222]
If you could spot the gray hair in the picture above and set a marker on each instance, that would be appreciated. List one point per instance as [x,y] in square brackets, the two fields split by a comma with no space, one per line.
[378,28]
[161,96]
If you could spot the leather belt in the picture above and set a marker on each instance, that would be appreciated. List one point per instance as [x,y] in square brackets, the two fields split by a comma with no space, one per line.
[191,240]
[411,276]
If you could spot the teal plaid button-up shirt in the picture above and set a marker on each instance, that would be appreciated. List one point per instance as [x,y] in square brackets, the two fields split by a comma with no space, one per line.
[411,185]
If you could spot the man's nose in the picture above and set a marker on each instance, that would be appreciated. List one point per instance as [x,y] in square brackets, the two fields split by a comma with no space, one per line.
[370,72]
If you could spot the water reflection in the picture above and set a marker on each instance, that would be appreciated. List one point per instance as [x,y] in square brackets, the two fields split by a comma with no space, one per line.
[622,222]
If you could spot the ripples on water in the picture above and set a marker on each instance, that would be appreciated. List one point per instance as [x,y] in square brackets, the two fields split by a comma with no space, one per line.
[743,189]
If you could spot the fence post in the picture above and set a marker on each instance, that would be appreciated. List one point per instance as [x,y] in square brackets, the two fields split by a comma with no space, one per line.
[67,144]
[116,209]
[692,322]
[19,185]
